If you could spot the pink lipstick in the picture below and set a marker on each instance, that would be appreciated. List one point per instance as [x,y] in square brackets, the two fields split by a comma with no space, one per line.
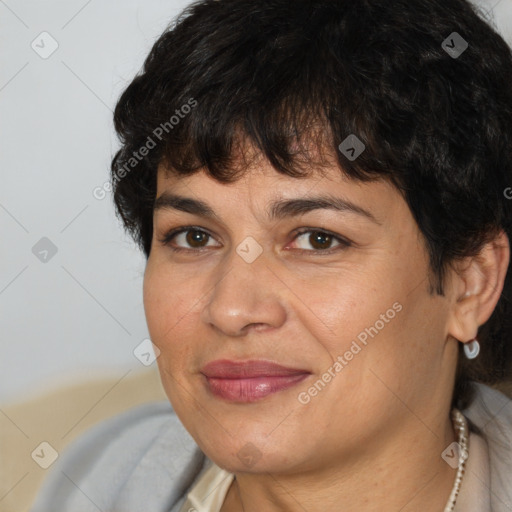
[249,381]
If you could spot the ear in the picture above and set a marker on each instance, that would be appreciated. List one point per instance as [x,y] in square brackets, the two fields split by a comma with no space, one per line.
[476,285]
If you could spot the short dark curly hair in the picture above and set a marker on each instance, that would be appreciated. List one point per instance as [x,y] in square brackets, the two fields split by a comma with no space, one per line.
[282,75]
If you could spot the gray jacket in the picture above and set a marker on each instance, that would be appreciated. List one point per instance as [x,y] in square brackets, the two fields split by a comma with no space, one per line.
[145,461]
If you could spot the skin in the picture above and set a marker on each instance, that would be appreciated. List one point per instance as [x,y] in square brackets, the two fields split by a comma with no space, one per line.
[372,438]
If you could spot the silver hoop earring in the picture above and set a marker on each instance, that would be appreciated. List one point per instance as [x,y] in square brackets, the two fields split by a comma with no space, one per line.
[472,349]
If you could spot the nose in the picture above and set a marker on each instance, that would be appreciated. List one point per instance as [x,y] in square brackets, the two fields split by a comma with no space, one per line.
[246,296]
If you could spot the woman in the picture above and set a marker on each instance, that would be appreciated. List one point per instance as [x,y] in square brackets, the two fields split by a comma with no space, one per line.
[320,189]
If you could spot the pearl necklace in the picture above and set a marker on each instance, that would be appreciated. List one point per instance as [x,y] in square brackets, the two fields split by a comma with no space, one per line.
[461,427]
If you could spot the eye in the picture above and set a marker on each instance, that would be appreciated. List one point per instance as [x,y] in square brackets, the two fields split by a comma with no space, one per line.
[321,241]
[190,235]
[192,238]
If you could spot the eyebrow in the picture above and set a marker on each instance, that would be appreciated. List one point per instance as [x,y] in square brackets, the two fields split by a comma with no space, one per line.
[278,209]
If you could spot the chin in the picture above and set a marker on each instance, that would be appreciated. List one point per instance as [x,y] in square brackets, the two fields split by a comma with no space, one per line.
[252,453]
[251,460]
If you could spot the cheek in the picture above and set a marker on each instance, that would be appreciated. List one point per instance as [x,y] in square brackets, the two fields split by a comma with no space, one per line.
[170,319]
[347,306]
[369,320]
[169,307]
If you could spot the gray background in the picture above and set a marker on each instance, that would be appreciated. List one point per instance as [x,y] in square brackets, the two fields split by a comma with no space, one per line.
[78,314]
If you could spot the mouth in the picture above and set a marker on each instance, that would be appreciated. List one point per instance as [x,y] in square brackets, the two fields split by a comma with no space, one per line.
[249,381]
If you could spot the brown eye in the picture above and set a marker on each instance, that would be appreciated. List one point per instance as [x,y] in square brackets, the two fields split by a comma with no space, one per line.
[195,238]
[320,240]
[187,238]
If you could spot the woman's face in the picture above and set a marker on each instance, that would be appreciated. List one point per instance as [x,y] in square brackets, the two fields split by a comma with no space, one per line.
[345,307]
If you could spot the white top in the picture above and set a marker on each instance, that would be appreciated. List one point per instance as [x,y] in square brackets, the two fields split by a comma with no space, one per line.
[209,492]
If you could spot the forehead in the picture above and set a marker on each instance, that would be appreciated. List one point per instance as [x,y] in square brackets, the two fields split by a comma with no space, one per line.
[257,183]
[311,156]
[249,168]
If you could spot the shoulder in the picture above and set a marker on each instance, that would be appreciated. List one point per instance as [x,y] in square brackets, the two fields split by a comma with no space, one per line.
[142,459]
[491,412]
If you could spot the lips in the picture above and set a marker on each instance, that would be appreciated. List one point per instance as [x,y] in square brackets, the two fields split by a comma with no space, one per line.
[248,381]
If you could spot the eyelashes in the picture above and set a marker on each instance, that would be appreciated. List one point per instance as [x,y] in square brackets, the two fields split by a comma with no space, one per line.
[320,235]
[331,237]
[173,233]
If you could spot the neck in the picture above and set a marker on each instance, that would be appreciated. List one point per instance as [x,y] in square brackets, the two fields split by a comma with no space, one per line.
[407,475]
